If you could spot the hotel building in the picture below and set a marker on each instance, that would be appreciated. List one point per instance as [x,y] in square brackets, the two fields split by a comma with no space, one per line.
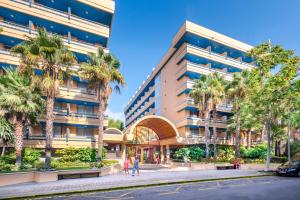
[161,112]
[84,25]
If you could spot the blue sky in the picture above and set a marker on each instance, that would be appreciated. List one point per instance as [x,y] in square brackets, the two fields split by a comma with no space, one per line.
[142,31]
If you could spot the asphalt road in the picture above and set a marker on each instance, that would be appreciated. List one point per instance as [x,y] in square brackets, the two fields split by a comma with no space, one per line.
[255,188]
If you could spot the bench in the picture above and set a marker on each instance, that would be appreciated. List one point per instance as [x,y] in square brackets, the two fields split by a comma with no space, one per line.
[228,167]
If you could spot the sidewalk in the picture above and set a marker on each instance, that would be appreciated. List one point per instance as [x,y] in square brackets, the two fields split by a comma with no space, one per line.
[118,180]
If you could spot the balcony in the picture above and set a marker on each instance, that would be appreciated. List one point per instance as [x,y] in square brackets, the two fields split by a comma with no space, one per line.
[7,58]
[141,101]
[183,87]
[77,94]
[199,122]
[189,102]
[39,141]
[21,32]
[194,139]
[141,110]
[47,13]
[188,66]
[207,54]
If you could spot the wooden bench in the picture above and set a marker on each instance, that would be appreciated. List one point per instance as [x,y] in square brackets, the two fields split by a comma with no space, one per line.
[228,167]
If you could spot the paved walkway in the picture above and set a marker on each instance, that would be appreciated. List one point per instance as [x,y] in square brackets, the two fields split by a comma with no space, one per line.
[118,180]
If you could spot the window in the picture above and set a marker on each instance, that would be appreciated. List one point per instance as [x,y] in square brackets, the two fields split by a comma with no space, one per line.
[57,131]
[84,132]
[82,86]
[194,132]
[85,110]
[194,113]
[57,106]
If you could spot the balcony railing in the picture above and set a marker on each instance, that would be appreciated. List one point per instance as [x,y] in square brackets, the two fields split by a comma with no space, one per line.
[78,90]
[27,30]
[72,114]
[56,12]
[221,56]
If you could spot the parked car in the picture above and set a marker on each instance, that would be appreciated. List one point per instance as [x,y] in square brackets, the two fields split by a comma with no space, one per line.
[289,169]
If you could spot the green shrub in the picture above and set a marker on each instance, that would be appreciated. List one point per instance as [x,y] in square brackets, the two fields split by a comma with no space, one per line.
[193,153]
[225,154]
[256,152]
[295,147]
[196,153]
[69,165]
[6,167]
[182,153]
[9,159]
[109,162]
[72,154]
[67,154]
[278,159]
[30,156]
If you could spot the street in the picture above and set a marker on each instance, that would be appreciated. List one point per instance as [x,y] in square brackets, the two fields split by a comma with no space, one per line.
[251,188]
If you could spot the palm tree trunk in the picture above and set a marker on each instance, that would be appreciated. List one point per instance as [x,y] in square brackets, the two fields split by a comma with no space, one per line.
[3,150]
[215,132]
[237,133]
[100,129]
[49,129]
[268,129]
[207,119]
[18,141]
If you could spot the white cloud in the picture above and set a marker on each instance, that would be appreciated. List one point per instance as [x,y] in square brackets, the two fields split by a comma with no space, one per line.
[115,115]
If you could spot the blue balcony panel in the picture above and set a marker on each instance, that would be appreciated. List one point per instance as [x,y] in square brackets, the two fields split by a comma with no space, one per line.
[7,66]
[23,19]
[9,42]
[79,9]
[191,75]
[216,47]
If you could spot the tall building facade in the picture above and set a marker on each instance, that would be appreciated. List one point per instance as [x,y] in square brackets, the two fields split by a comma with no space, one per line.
[84,26]
[164,95]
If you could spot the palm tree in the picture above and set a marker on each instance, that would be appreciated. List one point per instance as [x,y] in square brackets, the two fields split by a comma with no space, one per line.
[236,91]
[20,98]
[6,133]
[217,95]
[49,54]
[103,73]
[202,95]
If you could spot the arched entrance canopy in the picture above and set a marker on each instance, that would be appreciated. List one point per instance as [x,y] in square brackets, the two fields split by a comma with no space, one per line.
[160,125]
[113,131]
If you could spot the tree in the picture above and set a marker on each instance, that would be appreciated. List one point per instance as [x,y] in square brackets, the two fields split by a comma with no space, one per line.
[217,95]
[20,98]
[274,88]
[115,123]
[103,73]
[236,92]
[48,54]
[6,133]
[202,93]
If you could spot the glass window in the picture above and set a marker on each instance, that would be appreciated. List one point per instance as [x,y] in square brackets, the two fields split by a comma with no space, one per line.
[84,132]
[57,131]
[194,132]
[57,106]
[82,86]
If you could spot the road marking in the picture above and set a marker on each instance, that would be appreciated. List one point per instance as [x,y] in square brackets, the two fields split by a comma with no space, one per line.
[167,193]
[121,197]
[171,192]
[208,188]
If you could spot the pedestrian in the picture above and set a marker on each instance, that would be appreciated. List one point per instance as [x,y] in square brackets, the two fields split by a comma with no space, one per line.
[135,167]
[126,166]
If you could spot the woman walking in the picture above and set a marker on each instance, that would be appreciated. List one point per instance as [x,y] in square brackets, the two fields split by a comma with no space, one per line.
[135,167]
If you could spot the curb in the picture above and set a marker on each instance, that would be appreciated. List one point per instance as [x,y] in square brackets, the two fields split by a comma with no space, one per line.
[138,186]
